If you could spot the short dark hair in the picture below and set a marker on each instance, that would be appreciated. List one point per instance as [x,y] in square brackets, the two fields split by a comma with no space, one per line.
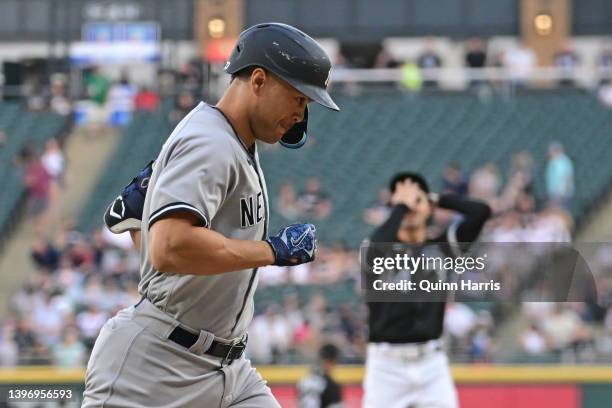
[417,178]
[329,352]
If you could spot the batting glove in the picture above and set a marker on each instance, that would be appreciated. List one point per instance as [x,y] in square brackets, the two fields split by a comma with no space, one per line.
[294,244]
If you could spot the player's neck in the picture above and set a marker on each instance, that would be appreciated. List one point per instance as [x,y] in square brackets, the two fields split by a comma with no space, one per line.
[231,107]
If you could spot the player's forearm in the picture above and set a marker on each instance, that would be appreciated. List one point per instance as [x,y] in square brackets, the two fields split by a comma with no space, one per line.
[475,215]
[205,256]
[465,206]
[200,251]
[387,232]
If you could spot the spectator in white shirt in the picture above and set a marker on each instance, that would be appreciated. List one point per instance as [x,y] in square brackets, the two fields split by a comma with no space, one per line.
[520,61]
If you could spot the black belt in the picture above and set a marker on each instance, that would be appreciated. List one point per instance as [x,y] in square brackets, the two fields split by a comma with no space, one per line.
[227,351]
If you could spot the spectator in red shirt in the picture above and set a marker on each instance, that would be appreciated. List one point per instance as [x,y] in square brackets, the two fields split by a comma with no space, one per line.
[38,184]
[146,100]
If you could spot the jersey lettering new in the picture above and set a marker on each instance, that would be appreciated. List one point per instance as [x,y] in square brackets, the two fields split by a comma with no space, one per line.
[205,169]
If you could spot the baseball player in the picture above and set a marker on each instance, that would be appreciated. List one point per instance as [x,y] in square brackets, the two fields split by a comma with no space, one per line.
[405,365]
[319,389]
[203,234]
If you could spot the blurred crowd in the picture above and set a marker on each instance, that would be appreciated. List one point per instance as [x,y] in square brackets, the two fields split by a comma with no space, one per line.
[108,102]
[559,330]
[521,214]
[81,280]
[312,202]
[43,176]
[292,330]
[54,97]
[519,61]
[103,103]
[78,283]
[576,331]
[101,100]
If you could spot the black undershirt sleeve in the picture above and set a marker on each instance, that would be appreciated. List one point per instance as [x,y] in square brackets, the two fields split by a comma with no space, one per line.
[387,232]
[475,214]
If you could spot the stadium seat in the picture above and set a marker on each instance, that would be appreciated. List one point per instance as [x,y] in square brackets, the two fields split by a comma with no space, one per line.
[354,152]
[23,128]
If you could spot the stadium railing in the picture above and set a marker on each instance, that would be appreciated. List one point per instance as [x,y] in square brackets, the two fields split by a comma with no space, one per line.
[462,77]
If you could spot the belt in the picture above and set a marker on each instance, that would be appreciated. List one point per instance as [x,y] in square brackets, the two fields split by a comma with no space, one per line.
[226,351]
[408,351]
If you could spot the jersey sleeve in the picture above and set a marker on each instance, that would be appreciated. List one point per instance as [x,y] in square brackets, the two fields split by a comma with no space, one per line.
[196,174]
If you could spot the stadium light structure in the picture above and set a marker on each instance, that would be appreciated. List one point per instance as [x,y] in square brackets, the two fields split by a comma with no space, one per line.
[216,27]
[543,23]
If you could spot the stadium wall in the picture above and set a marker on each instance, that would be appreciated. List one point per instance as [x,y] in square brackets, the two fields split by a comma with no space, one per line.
[483,386]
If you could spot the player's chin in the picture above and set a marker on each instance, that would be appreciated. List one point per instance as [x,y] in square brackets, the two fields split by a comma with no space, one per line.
[414,221]
[275,138]
[278,134]
[270,137]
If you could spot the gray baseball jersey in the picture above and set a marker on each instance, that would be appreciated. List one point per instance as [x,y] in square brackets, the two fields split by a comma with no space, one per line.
[205,168]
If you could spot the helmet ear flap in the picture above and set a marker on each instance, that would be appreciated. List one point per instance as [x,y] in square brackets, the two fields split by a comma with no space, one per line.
[297,135]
